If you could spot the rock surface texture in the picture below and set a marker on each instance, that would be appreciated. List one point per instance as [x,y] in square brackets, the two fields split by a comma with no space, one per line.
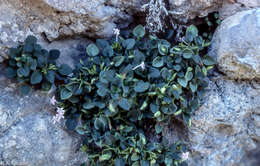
[236,45]
[226,129]
[27,135]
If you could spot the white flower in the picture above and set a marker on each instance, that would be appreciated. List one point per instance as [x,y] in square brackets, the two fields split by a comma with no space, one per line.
[53,100]
[142,65]
[117,33]
[185,156]
[59,115]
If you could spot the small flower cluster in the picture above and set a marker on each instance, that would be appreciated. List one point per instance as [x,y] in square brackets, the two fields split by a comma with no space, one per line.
[60,111]
[185,156]
[117,33]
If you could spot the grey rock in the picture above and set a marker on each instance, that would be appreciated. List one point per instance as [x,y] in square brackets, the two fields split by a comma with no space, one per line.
[185,10]
[27,134]
[55,19]
[236,45]
[225,130]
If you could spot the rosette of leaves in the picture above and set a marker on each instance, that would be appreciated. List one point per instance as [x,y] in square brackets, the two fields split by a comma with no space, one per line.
[32,65]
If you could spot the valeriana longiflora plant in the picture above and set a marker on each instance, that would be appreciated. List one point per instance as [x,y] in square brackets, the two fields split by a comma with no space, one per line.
[125,83]
[32,65]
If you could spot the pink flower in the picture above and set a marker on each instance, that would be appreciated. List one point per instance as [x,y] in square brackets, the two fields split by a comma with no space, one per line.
[185,156]
[59,115]
[53,100]
[117,33]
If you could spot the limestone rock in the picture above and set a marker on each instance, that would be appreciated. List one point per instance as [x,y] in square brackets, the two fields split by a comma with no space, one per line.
[188,9]
[225,130]
[236,45]
[54,19]
[27,135]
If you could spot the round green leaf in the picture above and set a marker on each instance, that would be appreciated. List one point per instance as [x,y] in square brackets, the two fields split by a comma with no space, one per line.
[207,60]
[119,162]
[50,76]
[36,77]
[118,60]
[129,43]
[158,62]
[92,50]
[54,54]
[65,70]
[141,86]
[65,94]
[183,82]
[124,104]
[31,39]
[139,31]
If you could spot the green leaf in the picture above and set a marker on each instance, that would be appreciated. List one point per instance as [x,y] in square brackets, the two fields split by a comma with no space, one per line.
[158,128]
[191,33]
[188,75]
[71,123]
[187,54]
[183,82]
[31,39]
[193,87]
[102,91]
[36,77]
[65,94]
[33,64]
[100,123]
[124,104]
[141,86]
[118,60]
[101,43]
[158,62]
[135,157]
[92,50]
[50,76]
[46,86]
[25,89]
[22,71]
[129,43]
[119,162]
[157,114]
[105,157]
[10,72]
[108,51]
[207,60]
[88,106]
[139,31]
[28,48]
[65,70]
[54,54]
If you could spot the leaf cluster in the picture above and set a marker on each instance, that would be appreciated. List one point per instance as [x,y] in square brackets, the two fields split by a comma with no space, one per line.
[123,84]
[32,65]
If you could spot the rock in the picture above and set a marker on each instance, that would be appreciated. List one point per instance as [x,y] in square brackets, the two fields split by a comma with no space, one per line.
[185,10]
[225,130]
[50,20]
[27,135]
[236,45]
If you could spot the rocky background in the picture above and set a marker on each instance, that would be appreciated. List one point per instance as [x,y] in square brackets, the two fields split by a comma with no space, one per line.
[225,130]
